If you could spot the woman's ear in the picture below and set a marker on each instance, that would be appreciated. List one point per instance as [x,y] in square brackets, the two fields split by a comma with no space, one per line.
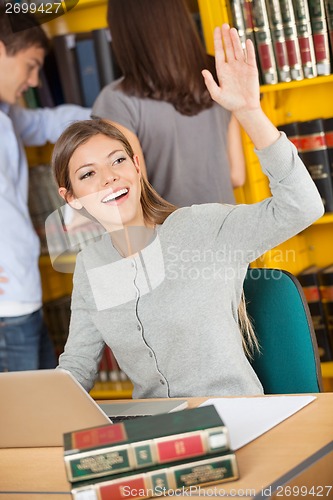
[69,198]
[136,162]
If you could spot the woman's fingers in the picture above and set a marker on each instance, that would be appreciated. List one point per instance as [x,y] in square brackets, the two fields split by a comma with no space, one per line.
[238,52]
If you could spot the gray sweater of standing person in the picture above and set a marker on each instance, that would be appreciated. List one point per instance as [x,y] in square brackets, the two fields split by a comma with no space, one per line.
[170,312]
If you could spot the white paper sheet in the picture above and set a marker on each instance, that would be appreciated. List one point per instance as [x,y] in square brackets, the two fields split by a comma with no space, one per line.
[248,418]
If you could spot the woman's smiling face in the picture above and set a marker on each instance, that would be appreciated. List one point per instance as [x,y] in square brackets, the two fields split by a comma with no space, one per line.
[106,182]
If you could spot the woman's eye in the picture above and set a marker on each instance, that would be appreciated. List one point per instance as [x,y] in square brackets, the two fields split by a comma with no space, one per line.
[86,175]
[119,160]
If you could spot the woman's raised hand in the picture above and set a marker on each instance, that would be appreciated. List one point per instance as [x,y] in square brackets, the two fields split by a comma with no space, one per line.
[238,83]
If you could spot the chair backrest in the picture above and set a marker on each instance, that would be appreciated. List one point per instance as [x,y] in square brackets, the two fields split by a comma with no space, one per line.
[288,361]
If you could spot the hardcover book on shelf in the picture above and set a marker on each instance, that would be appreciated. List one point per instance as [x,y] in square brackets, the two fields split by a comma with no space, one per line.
[144,442]
[290,34]
[264,43]
[108,68]
[51,72]
[328,128]
[278,39]
[43,91]
[329,19]
[313,151]
[326,290]
[87,69]
[160,481]
[291,131]
[320,36]
[30,98]
[64,49]
[309,279]
[305,39]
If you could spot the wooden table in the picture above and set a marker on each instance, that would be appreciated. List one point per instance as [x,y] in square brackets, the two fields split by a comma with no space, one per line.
[298,451]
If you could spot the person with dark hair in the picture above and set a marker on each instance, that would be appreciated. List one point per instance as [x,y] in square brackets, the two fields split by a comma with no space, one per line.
[24,340]
[191,147]
[163,286]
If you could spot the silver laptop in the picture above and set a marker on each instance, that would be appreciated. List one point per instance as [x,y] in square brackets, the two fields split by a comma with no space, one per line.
[39,406]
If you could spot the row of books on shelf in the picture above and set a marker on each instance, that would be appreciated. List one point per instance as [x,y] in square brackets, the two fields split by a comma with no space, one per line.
[317,284]
[150,456]
[293,38]
[314,142]
[57,318]
[78,67]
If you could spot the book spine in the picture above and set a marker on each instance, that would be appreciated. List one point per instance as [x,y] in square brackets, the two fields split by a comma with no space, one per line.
[291,131]
[64,46]
[264,43]
[328,128]
[278,38]
[162,481]
[305,39]
[320,36]
[310,286]
[329,20]
[129,431]
[290,33]
[88,71]
[238,20]
[143,454]
[326,290]
[313,151]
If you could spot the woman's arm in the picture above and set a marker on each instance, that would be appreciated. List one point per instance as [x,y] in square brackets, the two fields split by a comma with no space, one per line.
[295,203]
[236,154]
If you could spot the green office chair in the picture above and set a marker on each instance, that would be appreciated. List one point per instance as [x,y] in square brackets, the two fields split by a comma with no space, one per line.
[288,362]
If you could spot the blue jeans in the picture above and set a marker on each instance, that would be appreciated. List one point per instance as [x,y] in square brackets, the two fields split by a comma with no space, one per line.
[25,343]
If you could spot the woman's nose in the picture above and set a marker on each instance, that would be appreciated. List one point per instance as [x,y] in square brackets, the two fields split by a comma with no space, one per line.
[109,176]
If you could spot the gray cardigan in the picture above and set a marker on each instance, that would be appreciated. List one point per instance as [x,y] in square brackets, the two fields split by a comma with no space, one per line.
[169,313]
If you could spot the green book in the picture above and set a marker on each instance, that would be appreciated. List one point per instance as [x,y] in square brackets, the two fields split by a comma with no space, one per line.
[160,481]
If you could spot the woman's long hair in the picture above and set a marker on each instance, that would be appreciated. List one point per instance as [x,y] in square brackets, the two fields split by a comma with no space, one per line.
[155,208]
[159,52]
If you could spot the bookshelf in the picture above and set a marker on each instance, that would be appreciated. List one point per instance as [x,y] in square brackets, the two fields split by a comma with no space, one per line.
[284,103]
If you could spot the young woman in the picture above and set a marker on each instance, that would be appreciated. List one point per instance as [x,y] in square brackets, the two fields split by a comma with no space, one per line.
[163,107]
[163,286]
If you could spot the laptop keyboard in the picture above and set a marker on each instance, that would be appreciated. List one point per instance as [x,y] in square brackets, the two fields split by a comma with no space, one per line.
[121,418]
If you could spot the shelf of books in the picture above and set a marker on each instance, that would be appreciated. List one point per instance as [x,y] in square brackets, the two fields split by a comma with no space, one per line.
[296,93]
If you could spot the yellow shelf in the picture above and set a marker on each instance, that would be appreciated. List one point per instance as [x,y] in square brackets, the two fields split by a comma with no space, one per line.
[327,373]
[326,219]
[306,82]
[112,390]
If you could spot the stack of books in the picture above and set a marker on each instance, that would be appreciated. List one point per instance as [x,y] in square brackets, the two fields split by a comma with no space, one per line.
[150,456]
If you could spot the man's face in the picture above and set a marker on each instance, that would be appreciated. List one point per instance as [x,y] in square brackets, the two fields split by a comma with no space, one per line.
[18,72]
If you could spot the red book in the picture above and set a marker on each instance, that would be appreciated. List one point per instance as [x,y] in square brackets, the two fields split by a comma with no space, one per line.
[320,36]
[279,41]
[305,39]
[264,42]
[290,33]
